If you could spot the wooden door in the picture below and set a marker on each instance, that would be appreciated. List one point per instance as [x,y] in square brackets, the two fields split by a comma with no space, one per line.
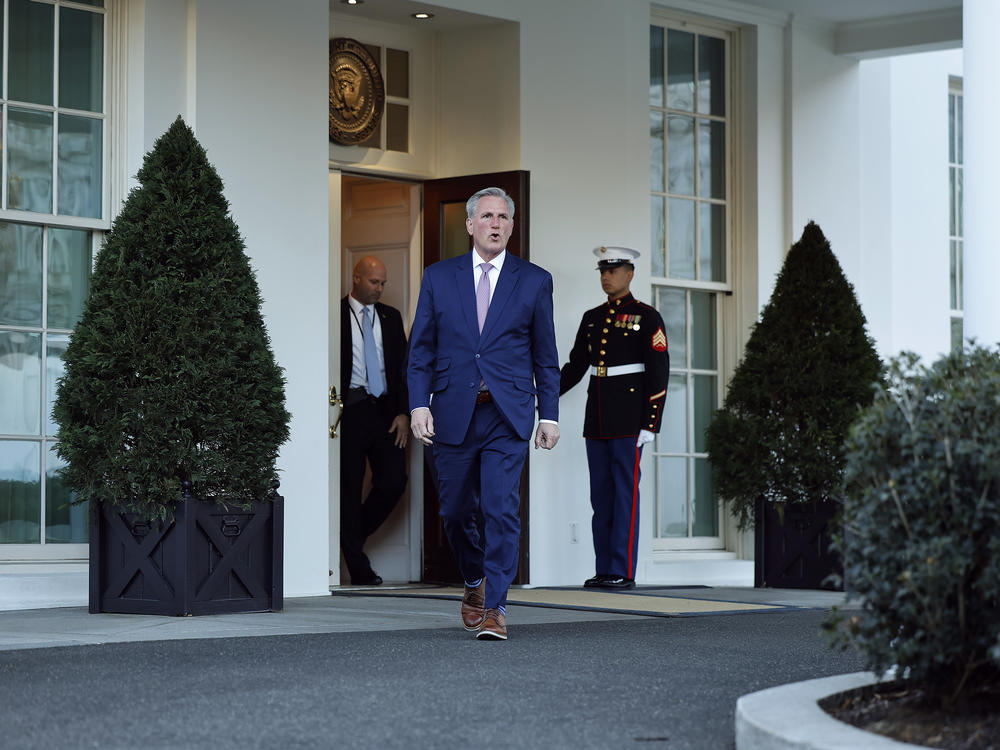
[445,236]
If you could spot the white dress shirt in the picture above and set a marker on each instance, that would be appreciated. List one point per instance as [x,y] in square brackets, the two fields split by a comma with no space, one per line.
[359,373]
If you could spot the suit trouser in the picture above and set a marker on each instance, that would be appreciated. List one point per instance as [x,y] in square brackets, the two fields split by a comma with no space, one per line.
[479,484]
[614,496]
[365,437]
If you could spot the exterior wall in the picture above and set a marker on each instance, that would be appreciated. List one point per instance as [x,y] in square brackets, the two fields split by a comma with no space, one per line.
[250,77]
[564,96]
[904,192]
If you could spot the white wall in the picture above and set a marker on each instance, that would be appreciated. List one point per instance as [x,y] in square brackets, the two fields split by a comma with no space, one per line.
[825,144]
[250,77]
[479,83]
[904,191]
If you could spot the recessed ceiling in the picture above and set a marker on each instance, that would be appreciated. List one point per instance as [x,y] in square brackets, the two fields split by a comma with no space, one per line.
[400,13]
[848,11]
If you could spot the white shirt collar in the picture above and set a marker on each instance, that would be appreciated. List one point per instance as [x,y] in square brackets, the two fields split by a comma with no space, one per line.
[497,262]
[358,307]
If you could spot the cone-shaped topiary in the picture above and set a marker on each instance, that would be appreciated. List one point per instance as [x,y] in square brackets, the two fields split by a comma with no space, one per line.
[809,367]
[169,376]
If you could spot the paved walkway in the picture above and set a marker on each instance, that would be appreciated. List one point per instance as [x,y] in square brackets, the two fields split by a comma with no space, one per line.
[376,670]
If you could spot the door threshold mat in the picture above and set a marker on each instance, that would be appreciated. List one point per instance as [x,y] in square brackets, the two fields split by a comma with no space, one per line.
[649,603]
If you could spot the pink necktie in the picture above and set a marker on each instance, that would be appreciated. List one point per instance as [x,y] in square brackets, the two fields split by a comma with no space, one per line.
[483,294]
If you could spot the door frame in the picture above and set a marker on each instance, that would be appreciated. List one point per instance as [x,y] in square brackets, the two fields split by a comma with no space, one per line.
[436,566]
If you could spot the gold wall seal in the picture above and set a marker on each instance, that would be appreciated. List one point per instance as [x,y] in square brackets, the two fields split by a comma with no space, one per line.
[357,94]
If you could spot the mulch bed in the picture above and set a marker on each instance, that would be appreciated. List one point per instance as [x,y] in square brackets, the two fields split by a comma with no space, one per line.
[904,713]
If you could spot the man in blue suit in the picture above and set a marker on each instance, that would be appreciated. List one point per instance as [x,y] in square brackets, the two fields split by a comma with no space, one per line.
[482,347]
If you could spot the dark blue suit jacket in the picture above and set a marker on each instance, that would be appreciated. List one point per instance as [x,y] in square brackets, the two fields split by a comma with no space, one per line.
[515,355]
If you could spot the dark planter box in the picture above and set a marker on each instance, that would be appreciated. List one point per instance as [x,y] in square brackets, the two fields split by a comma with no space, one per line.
[208,559]
[794,552]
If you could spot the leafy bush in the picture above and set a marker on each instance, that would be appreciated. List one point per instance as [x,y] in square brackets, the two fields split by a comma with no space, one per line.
[169,376]
[921,541]
[808,367]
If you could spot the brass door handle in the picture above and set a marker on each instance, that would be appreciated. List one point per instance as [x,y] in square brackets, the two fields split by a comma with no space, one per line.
[335,401]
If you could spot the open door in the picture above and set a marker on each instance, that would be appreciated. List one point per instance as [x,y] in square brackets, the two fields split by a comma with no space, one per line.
[445,236]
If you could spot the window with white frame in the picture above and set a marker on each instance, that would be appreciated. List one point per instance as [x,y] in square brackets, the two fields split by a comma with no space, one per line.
[955,232]
[690,136]
[53,209]
[393,132]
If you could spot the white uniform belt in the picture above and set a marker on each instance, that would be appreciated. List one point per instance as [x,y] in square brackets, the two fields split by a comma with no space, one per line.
[601,371]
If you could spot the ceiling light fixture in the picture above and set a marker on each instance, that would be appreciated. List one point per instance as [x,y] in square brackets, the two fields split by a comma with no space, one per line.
[423,16]
[352,2]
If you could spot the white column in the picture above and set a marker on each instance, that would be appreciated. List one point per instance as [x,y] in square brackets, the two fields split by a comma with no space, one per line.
[980,25]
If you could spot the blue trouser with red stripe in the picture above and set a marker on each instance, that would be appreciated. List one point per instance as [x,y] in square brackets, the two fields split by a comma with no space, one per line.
[614,496]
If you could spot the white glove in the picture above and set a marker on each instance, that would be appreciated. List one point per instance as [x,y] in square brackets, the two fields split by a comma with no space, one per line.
[645,436]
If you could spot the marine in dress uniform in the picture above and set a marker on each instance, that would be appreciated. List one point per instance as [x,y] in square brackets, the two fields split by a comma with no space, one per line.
[622,344]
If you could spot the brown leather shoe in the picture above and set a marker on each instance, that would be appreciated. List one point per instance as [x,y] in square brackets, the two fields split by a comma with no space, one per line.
[473,606]
[494,627]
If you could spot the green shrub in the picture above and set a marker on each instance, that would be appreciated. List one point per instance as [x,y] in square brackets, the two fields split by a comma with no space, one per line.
[169,376]
[808,367]
[921,541]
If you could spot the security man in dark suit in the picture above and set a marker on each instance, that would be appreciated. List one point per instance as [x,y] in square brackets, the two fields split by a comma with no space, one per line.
[376,416]
[623,345]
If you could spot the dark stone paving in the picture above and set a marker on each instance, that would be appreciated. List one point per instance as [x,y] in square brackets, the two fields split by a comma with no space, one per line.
[632,683]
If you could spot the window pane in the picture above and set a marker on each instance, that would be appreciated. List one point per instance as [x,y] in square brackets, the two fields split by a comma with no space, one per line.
[454,235]
[672,493]
[80,163]
[20,275]
[703,324]
[656,151]
[711,159]
[959,179]
[397,127]
[20,383]
[711,242]
[657,237]
[680,70]
[705,510]
[673,430]
[397,72]
[959,275]
[29,160]
[680,238]
[32,33]
[55,351]
[954,275]
[69,276]
[81,59]
[64,523]
[952,224]
[680,154]
[20,492]
[711,76]
[956,334]
[951,128]
[961,127]
[705,404]
[673,309]
[656,66]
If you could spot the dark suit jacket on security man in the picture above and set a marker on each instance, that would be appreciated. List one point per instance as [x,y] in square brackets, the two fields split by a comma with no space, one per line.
[366,436]
[623,345]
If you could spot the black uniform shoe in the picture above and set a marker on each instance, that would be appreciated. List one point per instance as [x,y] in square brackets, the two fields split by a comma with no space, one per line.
[616,582]
[595,582]
[374,579]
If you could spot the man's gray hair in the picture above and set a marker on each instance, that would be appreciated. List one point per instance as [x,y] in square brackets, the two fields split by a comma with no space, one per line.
[473,203]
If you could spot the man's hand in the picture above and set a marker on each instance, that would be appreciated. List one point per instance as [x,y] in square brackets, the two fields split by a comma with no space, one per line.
[547,435]
[422,425]
[645,436]
[401,426]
